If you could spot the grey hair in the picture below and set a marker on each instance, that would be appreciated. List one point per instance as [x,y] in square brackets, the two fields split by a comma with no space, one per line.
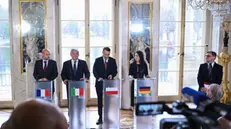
[216,91]
[72,50]
[45,49]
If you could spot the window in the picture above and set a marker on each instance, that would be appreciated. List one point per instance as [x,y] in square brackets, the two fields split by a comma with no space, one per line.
[170,45]
[5,55]
[101,33]
[72,30]
[194,45]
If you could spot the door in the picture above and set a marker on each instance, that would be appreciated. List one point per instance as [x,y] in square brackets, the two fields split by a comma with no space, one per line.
[86,26]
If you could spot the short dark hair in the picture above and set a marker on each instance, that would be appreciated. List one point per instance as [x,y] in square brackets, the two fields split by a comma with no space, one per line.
[213,53]
[106,49]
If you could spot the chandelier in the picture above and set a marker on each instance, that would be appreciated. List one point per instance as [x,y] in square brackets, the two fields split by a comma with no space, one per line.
[217,7]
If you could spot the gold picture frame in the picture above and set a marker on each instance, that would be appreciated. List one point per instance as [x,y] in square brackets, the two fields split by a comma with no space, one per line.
[140,15]
[33,32]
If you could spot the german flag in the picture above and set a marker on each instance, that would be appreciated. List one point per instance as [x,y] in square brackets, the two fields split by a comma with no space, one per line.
[144,90]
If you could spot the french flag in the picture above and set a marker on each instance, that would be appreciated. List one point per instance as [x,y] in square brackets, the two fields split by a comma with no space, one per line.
[43,92]
[111,91]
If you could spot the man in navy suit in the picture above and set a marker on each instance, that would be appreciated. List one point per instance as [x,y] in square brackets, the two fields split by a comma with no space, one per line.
[104,68]
[74,69]
[209,72]
[45,69]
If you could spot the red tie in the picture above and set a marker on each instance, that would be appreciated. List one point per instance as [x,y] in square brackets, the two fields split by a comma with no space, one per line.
[105,65]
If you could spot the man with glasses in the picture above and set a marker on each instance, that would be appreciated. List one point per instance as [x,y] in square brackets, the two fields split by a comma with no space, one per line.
[45,69]
[209,72]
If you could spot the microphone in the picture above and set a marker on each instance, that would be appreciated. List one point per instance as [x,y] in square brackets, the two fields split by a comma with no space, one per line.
[196,96]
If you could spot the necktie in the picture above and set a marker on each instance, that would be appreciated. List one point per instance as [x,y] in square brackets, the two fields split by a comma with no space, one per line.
[210,71]
[45,66]
[75,66]
[105,64]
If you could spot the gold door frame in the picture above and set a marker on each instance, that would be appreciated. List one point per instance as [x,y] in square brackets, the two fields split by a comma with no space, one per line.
[151,29]
[21,38]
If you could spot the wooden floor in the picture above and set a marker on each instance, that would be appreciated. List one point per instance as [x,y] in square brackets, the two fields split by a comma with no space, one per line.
[127,119]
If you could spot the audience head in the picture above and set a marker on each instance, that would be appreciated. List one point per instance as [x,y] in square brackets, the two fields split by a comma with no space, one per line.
[106,52]
[215,92]
[74,54]
[139,57]
[210,56]
[36,114]
[46,54]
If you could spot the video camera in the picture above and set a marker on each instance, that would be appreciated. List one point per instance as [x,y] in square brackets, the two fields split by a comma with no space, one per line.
[205,115]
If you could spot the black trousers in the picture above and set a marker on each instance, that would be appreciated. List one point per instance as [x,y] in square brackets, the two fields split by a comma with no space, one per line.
[132,94]
[99,91]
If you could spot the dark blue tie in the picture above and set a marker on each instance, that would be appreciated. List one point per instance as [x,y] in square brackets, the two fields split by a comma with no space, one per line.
[75,66]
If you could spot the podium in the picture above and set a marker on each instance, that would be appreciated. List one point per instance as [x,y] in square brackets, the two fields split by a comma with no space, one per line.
[44,90]
[77,104]
[145,90]
[111,91]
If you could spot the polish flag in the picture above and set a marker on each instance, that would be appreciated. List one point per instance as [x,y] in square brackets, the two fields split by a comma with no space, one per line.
[43,92]
[111,91]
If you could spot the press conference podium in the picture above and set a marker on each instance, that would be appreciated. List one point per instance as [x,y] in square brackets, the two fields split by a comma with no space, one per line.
[44,90]
[145,90]
[77,104]
[111,91]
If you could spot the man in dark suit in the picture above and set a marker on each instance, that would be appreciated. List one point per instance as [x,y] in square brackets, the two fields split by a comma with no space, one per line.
[74,69]
[45,69]
[209,72]
[104,68]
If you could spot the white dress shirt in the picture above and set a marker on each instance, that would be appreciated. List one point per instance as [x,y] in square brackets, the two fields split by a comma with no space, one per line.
[46,63]
[211,63]
[105,60]
[73,62]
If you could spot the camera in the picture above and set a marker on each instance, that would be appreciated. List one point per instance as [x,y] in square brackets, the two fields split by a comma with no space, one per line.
[205,115]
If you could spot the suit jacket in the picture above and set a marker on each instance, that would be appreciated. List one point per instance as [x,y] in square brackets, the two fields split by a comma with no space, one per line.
[68,71]
[100,71]
[51,72]
[203,74]
[138,71]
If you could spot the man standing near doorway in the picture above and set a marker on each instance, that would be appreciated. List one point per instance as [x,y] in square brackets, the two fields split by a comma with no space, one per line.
[45,69]
[74,69]
[104,68]
[209,72]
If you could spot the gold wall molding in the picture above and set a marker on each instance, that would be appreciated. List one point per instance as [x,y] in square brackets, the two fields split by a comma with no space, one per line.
[143,42]
[33,30]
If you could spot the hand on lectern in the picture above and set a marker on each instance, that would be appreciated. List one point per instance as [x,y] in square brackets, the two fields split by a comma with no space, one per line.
[147,76]
[100,79]
[65,82]
[84,79]
[109,77]
[203,89]
[45,79]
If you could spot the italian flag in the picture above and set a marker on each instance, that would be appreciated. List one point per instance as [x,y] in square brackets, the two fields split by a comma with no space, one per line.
[77,92]
[111,91]
[42,92]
